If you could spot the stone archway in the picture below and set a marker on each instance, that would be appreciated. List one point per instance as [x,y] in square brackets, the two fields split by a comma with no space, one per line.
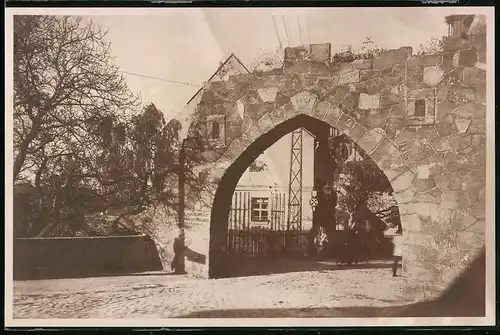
[435,163]
[303,112]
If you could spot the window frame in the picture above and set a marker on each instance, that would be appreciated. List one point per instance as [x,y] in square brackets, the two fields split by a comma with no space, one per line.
[259,201]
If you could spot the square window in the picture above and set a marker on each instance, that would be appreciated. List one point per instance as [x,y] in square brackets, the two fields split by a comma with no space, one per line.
[260,210]
[420,108]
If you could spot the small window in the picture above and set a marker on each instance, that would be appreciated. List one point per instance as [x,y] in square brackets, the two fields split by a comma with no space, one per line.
[260,209]
[215,130]
[420,108]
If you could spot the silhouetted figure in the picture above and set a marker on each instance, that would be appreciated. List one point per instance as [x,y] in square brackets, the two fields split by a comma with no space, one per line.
[178,253]
[397,240]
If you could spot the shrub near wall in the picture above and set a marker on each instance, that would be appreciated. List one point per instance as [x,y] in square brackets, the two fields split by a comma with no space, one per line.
[38,258]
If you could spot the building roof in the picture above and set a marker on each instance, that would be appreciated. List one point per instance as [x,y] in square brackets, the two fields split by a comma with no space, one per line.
[231,56]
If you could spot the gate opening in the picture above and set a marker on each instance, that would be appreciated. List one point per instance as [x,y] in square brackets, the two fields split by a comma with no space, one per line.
[347,205]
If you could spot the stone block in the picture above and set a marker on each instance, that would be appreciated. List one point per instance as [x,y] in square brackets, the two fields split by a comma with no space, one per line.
[395,170]
[417,149]
[461,94]
[306,67]
[471,111]
[373,86]
[369,101]
[480,91]
[450,199]
[321,109]
[474,180]
[345,123]
[341,68]
[309,81]
[405,196]
[432,75]
[371,139]
[461,220]
[320,52]
[459,142]
[268,94]
[421,239]
[424,60]
[337,95]
[477,145]
[423,185]
[265,123]
[449,180]
[348,78]
[446,126]
[415,74]
[327,84]
[290,84]
[281,100]
[441,144]
[351,101]
[333,115]
[465,57]
[278,115]
[403,181]
[368,74]
[453,44]
[411,222]
[422,93]
[466,240]
[385,154]
[394,75]
[363,64]
[432,196]
[297,53]
[393,126]
[474,76]
[479,227]
[265,82]
[392,57]
[356,132]
[303,102]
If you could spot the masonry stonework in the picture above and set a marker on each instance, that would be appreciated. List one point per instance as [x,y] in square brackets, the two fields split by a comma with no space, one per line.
[420,118]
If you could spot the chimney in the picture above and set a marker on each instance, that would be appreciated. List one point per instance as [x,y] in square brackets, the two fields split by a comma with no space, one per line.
[458,25]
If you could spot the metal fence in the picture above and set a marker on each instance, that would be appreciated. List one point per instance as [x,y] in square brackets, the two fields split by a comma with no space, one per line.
[266,236]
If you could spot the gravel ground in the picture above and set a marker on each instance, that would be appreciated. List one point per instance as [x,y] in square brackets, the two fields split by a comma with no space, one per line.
[293,294]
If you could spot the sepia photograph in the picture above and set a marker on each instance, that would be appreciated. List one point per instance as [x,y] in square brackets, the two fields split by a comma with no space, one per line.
[249,166]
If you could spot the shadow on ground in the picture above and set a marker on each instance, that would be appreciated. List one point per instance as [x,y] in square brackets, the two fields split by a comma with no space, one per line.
[464,298]
[248,266]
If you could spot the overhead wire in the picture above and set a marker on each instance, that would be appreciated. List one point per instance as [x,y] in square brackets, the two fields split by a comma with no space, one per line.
[162,79]
[286,30]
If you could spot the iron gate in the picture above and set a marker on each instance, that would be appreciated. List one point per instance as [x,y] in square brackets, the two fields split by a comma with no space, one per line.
[266,236]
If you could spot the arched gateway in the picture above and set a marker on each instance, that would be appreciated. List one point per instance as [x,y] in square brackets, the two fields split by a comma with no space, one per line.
[421,119]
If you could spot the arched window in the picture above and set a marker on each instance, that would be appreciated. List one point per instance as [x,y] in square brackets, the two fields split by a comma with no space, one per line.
[215,130]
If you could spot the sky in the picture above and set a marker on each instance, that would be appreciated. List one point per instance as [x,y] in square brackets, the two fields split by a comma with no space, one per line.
[186,45]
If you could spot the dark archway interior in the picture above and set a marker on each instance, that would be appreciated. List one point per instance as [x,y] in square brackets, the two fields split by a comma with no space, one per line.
[223,196]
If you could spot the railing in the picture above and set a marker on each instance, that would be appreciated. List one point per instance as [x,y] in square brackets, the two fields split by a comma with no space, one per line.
[251,238]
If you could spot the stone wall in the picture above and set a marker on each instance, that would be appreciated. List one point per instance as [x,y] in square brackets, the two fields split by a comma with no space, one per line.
[41,258]
[421,118]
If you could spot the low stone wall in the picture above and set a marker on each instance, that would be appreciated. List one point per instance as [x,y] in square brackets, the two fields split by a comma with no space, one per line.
[44,258]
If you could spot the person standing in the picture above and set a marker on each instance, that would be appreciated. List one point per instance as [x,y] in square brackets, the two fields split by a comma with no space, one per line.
[395,232]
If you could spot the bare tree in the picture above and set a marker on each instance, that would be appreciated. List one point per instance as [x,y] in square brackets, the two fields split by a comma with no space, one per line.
[67,94]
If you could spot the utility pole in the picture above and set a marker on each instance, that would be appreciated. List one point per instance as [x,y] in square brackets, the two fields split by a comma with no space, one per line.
[179,245]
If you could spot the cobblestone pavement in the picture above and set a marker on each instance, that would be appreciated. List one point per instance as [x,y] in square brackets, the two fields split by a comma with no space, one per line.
[164,296]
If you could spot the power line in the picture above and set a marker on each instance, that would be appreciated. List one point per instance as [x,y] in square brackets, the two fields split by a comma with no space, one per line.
[300,30]
[286,30]
[162,79]
[307,29]
[277,33]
